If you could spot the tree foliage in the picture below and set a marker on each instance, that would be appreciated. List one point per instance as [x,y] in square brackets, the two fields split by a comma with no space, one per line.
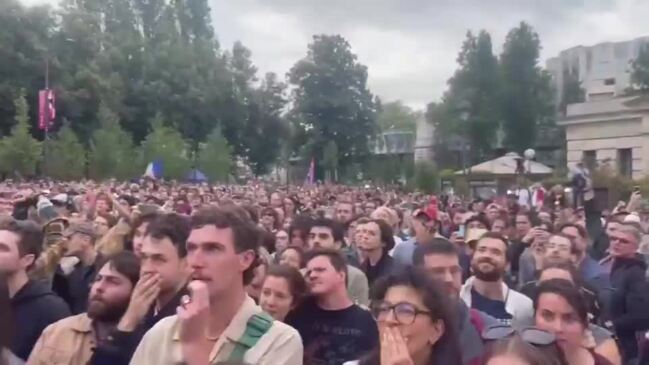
[65,155]
[215,157]
[331,101]
[396,116]
[166,145]
[112,153]
[471,106]
[20,152]
[640,70]
[140,59]
[527,95]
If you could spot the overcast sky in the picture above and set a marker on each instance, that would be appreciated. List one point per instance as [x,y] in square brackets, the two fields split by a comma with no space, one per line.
[410,46]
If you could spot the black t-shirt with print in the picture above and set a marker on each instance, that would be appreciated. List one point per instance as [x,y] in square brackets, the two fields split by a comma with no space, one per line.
[332,337]
[494,308]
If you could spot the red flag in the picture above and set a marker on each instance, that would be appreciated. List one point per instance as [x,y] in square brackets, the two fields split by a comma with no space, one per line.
[46,109]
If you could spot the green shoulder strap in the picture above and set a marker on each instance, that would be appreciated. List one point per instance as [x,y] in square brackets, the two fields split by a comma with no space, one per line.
[256,327]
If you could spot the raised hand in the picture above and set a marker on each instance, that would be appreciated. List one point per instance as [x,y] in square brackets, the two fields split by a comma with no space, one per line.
[193,314]
[394,350]
[144,295]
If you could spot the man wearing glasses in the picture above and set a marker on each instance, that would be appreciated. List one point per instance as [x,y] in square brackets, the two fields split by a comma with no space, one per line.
[630,298]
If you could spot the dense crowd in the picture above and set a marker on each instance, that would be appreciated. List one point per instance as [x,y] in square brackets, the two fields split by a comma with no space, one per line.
[155,273]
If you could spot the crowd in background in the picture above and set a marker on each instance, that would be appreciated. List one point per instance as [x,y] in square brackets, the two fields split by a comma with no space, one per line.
[164,273]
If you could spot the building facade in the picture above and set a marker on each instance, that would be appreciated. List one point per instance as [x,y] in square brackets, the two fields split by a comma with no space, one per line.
[424,139]
[603,70]
[613,131]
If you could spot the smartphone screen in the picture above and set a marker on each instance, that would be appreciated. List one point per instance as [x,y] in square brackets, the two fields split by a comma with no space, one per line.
[460,232]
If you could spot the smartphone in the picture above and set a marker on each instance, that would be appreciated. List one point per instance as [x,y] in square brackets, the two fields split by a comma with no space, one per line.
[461,232]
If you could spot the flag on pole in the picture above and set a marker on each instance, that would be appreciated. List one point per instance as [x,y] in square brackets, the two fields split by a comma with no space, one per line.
[154,170]
[310,176]
[46,109]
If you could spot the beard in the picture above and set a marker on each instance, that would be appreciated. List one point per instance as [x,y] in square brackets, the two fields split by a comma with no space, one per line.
[100,310]
[492,275]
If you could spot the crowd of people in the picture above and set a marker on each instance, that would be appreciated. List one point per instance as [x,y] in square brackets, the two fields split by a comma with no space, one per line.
[155,273]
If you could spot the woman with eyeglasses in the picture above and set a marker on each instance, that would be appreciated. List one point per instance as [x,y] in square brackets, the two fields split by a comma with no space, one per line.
[416,322]
[561,310]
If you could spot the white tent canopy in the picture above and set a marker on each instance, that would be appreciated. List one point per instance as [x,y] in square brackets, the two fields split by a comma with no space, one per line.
[506,165]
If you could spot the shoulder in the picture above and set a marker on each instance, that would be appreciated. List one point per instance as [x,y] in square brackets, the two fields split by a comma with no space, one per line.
[80,322]
[520,300]
[163,331]
[283,331]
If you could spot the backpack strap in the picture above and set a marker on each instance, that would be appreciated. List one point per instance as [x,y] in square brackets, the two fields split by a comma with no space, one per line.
[256,327]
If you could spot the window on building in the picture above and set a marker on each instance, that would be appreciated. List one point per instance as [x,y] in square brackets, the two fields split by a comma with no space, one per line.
[590,159]
[625,161]
[610,81]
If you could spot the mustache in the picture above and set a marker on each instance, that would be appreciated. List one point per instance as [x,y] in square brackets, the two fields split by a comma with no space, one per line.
[485,260]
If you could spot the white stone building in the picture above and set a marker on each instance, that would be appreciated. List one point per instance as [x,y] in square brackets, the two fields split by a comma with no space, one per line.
[602,69]
[613,131]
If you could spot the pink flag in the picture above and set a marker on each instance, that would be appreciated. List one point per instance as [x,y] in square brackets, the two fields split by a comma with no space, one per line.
[46,109]
[310,177]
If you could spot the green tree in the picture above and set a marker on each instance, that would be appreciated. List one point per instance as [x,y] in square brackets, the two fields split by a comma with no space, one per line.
[166,145]
[640,70]
[330,161]
[20,153]
[396,116]
[426,177]
[66,156]
[527,94]
[215,157]
[471,106]
[111,149]
[332,101]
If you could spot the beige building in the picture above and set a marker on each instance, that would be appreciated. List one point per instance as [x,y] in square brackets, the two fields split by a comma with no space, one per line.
[614,131]
[603,70]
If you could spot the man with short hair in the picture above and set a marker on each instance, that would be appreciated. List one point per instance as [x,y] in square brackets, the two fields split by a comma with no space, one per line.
[219,321]
[559,247]
[630,298]
[589,269]
[344,212]
[74,338]
[486,291]
[440,259]
[34,306]
[328,234]
[158,291]
[375,240]
[334,329]
[74,286]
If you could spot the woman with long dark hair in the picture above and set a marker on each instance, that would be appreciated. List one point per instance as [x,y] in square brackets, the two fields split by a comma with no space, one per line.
[6,325]
[416,322]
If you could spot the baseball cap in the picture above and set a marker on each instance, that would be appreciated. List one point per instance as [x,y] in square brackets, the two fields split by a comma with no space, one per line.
[430,211]
[83,228]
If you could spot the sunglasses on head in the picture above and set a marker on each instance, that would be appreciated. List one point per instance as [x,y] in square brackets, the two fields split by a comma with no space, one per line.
[532,335]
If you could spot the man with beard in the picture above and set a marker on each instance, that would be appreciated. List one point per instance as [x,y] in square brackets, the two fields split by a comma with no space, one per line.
[440,259]
[71,340]
[158,292]
[486,291]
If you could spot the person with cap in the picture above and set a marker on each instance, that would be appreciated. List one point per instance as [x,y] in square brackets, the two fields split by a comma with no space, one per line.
[424,224]
[73,284]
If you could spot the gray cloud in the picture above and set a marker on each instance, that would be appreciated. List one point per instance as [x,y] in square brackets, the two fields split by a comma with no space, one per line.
[410,46]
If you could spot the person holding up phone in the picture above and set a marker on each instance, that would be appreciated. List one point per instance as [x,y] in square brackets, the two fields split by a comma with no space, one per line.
[217,321]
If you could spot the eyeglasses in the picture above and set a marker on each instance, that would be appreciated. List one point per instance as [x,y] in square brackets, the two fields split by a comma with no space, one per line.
[404,313]
[532,335]
[619,239]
